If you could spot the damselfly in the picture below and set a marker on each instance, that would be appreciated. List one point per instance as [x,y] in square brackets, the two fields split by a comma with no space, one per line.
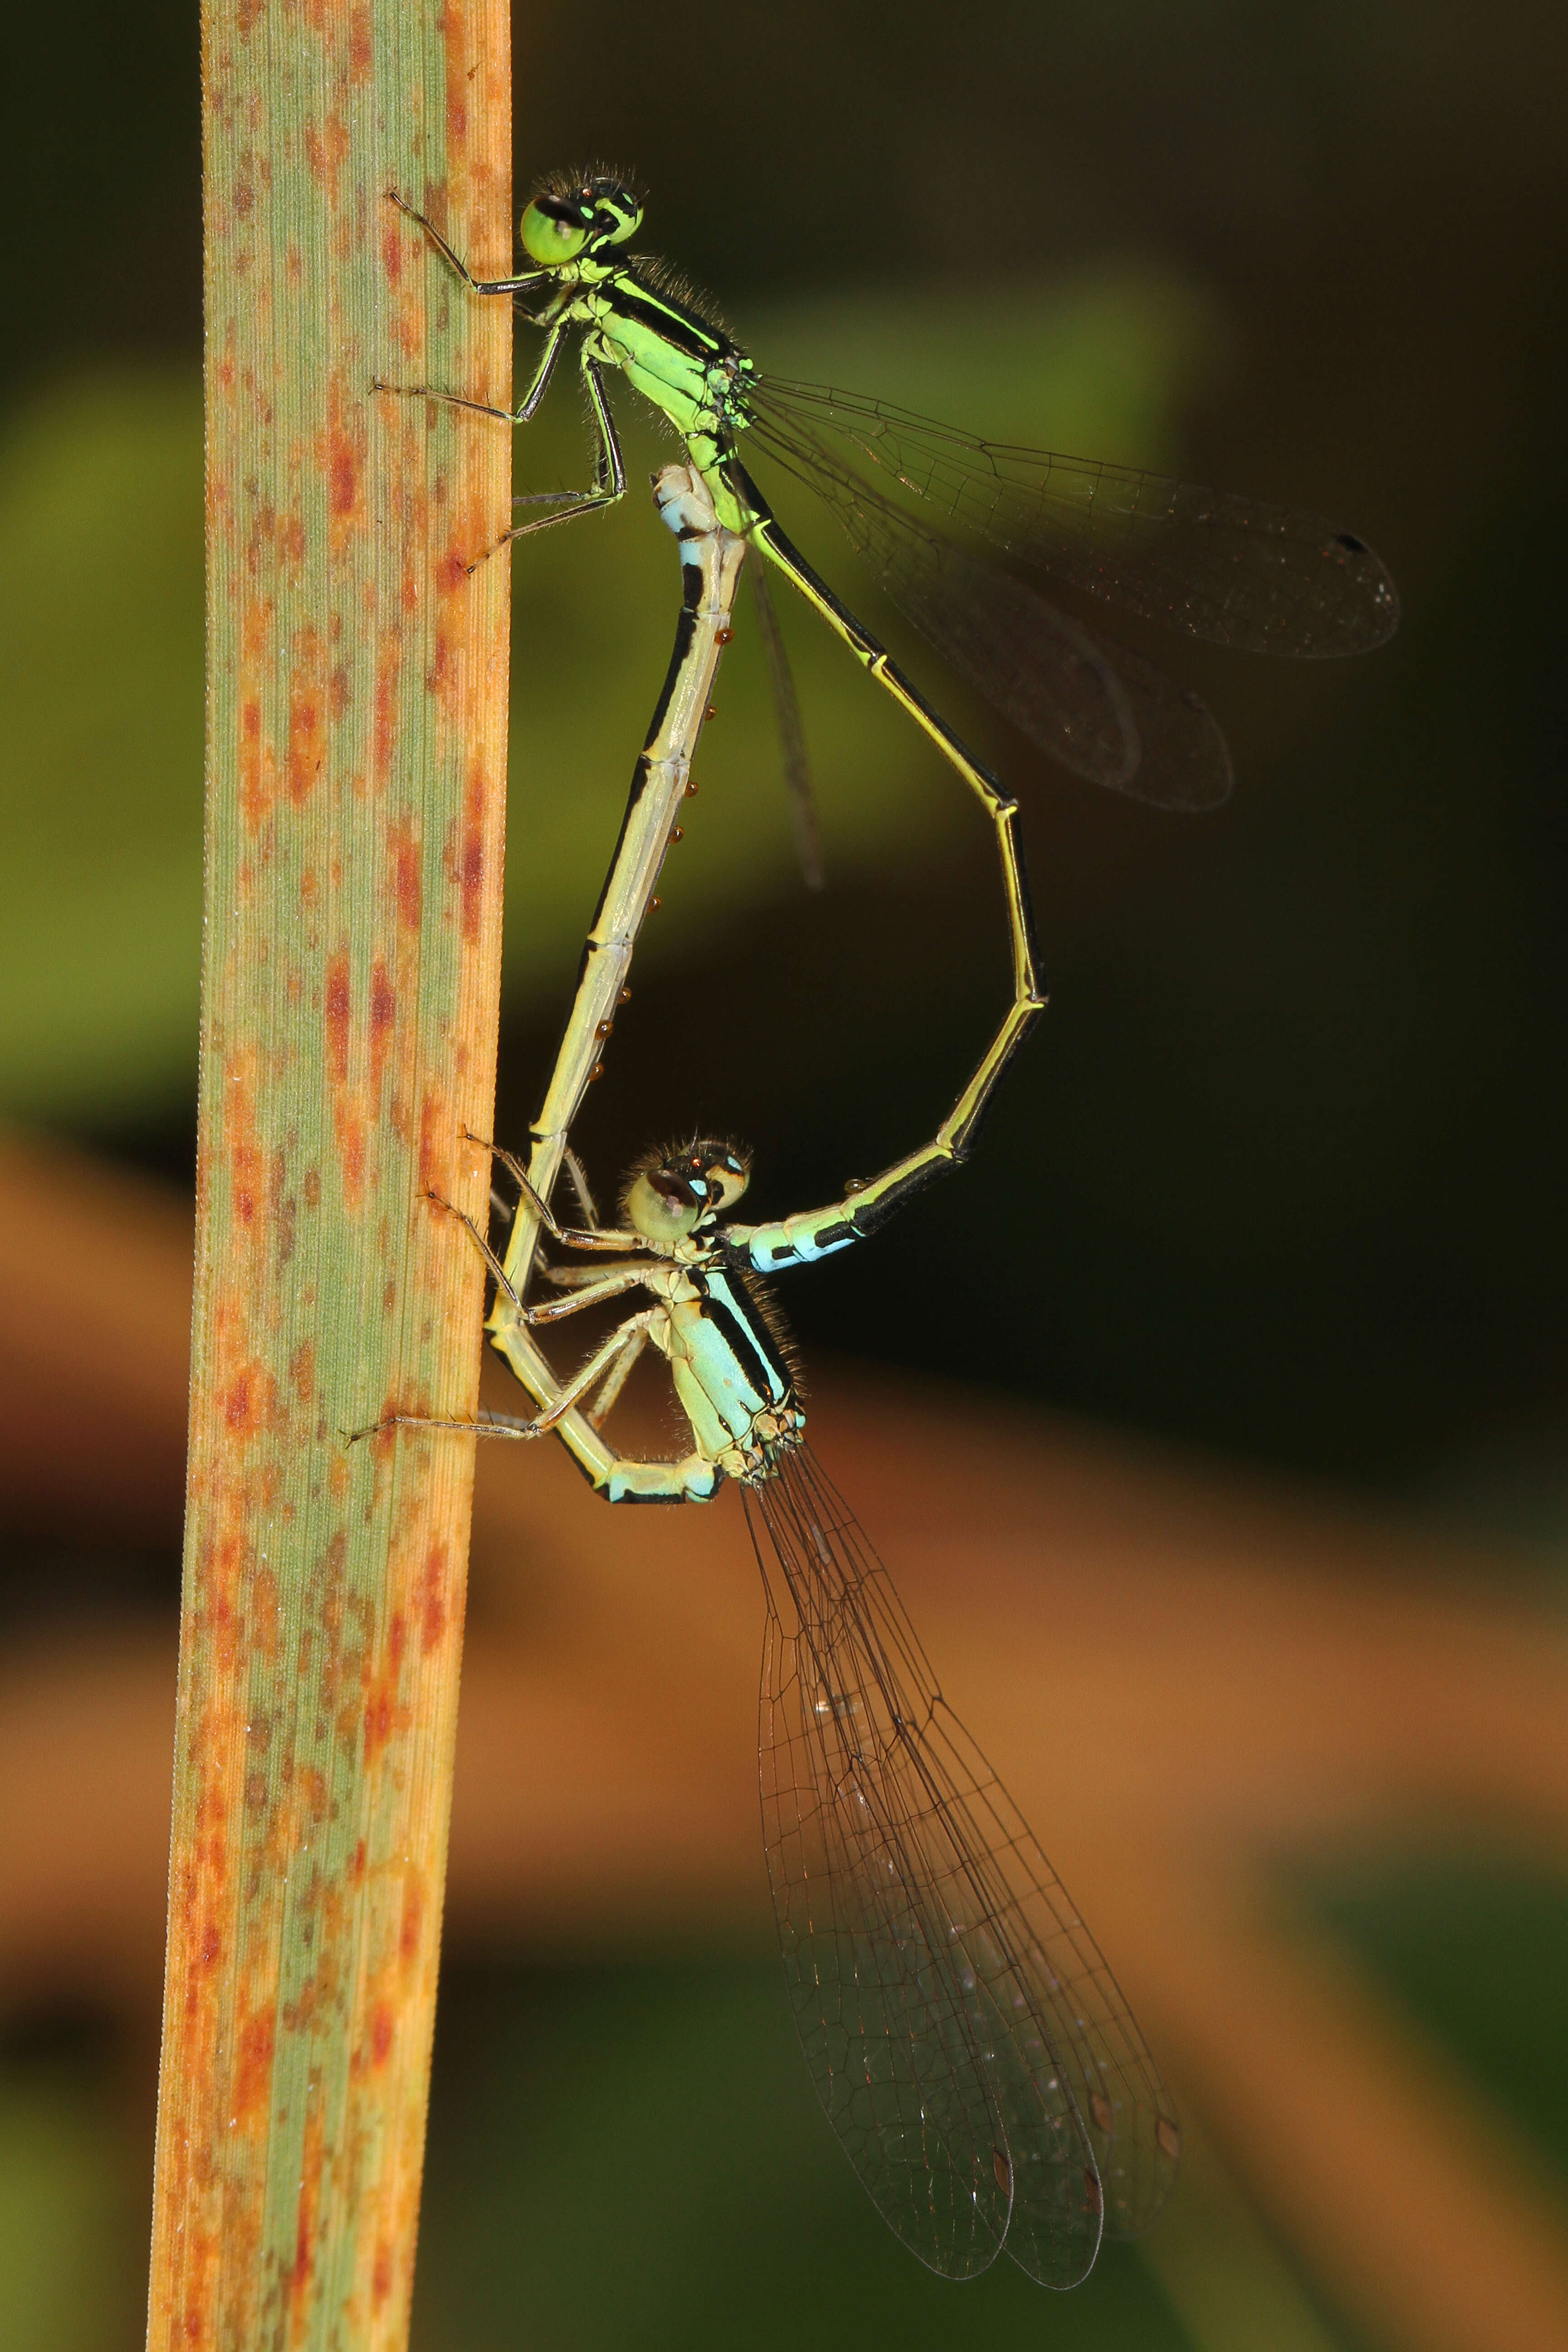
[969,2043]
[1235,571]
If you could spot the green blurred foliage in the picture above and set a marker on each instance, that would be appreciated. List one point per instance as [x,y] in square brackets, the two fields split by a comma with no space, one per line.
[101,744]
[1475,1948]
[72,2230]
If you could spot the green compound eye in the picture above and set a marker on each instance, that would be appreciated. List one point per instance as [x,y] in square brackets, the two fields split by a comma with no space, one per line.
[550,232]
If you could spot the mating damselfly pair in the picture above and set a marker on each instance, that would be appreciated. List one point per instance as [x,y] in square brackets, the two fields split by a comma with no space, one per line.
[967,2040]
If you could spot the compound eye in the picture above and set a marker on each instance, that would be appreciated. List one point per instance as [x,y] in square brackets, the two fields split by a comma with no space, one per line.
[663,1204]
[553,232]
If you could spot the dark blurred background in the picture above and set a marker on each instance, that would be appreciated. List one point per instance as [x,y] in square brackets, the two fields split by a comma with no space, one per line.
[1281,1175]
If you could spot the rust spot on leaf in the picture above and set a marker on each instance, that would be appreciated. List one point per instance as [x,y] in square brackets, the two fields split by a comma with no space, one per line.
[343,469]
[245,1398]
[433,1598]
[380,2274]
[307,719]
[352,1152]
[264,1612]
[257,765]
[438,1133]
[303,1370]
[341,454]
[456,38]
[253,799]
[247,1175]
[362,49]
[304,2258]
[470,858]
[380,1719]
[382,2027]
[404,843]
[383,1014]
[253,2070]
[412,1927]
[325,147]
[337,1009]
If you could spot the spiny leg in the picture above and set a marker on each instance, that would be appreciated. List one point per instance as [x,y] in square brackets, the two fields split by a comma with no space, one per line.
[615,1379]
[531,282]
[609,470]
[481,1244]
[578,1175]
[597,1237]
[591,1293]
[554,341]
[505,1424]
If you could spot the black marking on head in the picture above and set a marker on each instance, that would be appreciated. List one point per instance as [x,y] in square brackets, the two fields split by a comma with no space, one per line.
[573,211]
[1350,543]
[587,188]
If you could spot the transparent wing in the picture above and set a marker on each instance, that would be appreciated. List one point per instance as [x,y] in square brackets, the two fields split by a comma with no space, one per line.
[1100,708]
[791,734]
[967,2040]
[1236,571]
[1105,712]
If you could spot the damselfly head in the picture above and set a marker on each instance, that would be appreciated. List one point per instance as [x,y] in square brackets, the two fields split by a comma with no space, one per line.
[672,1189]
[571,213]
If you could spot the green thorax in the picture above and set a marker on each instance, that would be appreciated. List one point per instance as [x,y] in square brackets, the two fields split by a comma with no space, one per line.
[682,363]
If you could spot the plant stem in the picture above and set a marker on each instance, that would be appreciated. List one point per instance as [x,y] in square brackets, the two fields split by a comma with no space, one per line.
[357,679]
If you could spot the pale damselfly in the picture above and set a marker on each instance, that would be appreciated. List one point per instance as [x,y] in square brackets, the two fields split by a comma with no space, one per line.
[967,2040]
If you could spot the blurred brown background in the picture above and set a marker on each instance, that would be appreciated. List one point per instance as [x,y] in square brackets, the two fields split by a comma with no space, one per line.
[1213,1422]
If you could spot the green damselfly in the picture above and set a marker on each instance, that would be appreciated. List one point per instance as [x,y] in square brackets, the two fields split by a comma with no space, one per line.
[931,510]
